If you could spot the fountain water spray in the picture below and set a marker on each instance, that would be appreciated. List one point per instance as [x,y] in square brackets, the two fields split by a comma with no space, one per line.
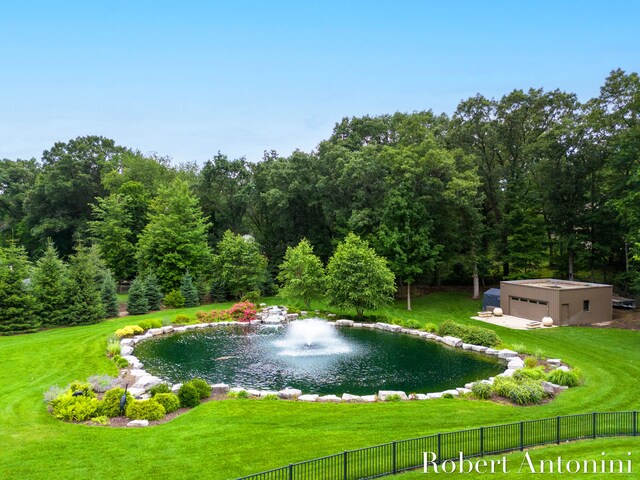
[311,337]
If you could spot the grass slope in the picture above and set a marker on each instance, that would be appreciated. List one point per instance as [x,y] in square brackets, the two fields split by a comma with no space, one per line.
[234,437]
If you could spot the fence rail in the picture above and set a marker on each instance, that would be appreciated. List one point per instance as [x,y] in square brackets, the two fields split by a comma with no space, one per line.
[401,455]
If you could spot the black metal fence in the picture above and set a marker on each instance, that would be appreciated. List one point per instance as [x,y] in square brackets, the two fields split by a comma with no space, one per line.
[395,457]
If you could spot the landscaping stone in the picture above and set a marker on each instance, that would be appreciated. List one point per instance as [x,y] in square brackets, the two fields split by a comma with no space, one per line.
[463,391]
[368,398]
[414,332]
[147,381]
[421,396]
[383,394]
[344,323]
[406,331]
[252,392]
[237,389]
[289,393]
[308,398]
[548,388]
[436,338]
[138,372]
[264,393]
[516,364]
[434,395]
[219,388]
[176,387]
[467,346]
[452,341]
[167,329]
[330,399]
[491,351]
[508,372]
[126,341]
[135,391]
[347,397]
[369,325]
[138,423]
[126,350]
[331,315]
[469,386]
[155,332]
[357,325]
[564,368]
[554,361]
[479,348]
[506,353]
[455,393]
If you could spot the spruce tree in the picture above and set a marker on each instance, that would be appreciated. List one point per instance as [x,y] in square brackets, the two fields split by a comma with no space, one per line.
[109,295]
[83,290]
[189,291]
[153,292]
[49,282]
[17,305]
[137,304]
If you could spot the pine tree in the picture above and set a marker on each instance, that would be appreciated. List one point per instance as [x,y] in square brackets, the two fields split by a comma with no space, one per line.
[17,305]
[83,290]
[189,291]
[138,303]
[49,282]
[153,292]
[109,295]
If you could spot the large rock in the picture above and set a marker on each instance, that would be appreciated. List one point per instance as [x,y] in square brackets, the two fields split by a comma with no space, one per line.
[344,323]
[415,332]
[452,341]
[237,390]
[264,393]
[467,346]
[147,381]
[155,332]
[421,396]
[167,329]
[434,395]
[138,423]
[126,350]
[455,393]
[491,351]
[135,391]
[515,364]
[308,398]
[289,393]
[548,388]
[252,392]
[347,397]
[463,391]
[176,387]
[506,353]
[479,348]
[508,372]
[385,394]
[551,361]
[126,341]
[356,325]
[368,398]
[330,399]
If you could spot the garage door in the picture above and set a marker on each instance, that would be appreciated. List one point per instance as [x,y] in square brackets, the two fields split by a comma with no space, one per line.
[528,308]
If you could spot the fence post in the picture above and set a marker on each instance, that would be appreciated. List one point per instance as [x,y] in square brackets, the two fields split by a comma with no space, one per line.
[558,430]
[635,423]
[291,471]
[521,436]
[595,424]
[439,448]
[482,441]
[395,463]
[344,456]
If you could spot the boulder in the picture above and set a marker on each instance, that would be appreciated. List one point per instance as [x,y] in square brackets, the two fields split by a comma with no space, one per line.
[384,394]
[515,364]
[133,361]
[356,325]
[308,398]
[147,381]
[467,346]
[135,391]
[455,393]
[564,368]
[421,396]
[508,372]
[138,372]
[330,399]
[289,393]
[167,329]
[155,332]
[237,390]
[452,341]
[548,388]
[491,351]
[252,392]
[436,338]
[368,398]
[347,397]
[434,395]
[368,325]
[264,393]
[126,350]
[138,423]
[126,341]
[414,332]
[463,391]
[219,388]
[479,348]
[506,353]
[176,387]
[344,323]
[469,386]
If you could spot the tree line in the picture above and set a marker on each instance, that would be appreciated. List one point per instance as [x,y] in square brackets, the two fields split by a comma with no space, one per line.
[535,183]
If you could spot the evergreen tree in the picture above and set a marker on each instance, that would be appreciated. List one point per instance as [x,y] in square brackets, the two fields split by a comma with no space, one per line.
[189,291]
[84,303]
[138,303]
[153,292]
[49,283]
[17,305]
[109,295]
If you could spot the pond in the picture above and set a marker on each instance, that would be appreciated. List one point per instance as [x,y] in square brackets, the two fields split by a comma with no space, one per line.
[315,357]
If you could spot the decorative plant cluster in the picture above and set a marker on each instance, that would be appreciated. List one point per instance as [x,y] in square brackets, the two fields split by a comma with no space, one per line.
[469,333]
[129,331]
[525,386]
[239,312]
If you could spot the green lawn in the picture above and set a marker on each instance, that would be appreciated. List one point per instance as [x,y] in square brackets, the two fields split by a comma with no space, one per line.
[234,437]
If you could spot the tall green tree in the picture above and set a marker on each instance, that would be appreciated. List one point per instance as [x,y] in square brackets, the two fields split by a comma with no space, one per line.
[17,305]
[358,278]
[153,292]
[109,296]
[189,291]
[49,283]
[175,239]
[17,178]
[239,265]
[84,302]
[302,274]
[137,303]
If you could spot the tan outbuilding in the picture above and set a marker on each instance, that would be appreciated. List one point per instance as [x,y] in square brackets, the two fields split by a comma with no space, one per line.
[566,302]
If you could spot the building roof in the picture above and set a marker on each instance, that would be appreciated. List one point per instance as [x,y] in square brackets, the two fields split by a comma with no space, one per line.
[553,284]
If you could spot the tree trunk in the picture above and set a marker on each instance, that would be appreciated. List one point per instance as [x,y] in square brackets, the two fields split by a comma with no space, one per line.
[570,255]
[408,296]
[476,282]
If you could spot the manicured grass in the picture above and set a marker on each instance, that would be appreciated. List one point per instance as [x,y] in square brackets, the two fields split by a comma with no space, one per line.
[234,437]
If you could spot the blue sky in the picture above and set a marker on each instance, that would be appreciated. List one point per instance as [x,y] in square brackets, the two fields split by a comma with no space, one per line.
[188,78]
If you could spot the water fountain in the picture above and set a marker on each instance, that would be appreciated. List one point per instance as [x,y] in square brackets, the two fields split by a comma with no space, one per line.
[311,337]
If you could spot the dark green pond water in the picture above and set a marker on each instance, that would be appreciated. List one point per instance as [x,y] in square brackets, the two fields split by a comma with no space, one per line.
[328,360]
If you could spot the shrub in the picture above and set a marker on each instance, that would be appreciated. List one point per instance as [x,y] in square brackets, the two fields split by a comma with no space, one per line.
[113,348]
[570,378]
[101,383]
[110,405]
[429,327]
[145,410]
[152,292]
[482,390]
[160,388]
[204,389]
[101,420]
[75,409]
[271,396]
[469,333]
[531,362]
[450,328]
[173,299]
[252,297]
[137,303]
[181,318]
[412,324]
[393,398]
[85,387]
[243,312]
[241,394]
[52,393]
[204,317]
[150,323]
[447,395]
[120,362]
[166,321]
[188,395]
[189,291]
[522,392]
[128,331]
[220,316]
[536,373]
[169,401]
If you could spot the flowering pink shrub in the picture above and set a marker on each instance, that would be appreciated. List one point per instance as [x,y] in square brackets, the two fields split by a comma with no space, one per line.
[240,312]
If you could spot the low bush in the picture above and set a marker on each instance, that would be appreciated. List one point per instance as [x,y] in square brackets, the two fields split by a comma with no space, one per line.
[150,323]
[110,405]
[412,324]
[169,401]
[204,317]
[129,331]
[101,383]
[450,328]
[429,327]
[173,299]
[240,394]
[271,396]
[160,388]
[243,311]
[181,319]
[536,373]
[75,409]
[188,395]
[101,420]
[469,333]
[145,410]
[393,398]
[113,347]
[482,390]
[520,392]
[567,378]
[85,387]
[120,362]
[52,393]
[203,388]
[531,362]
